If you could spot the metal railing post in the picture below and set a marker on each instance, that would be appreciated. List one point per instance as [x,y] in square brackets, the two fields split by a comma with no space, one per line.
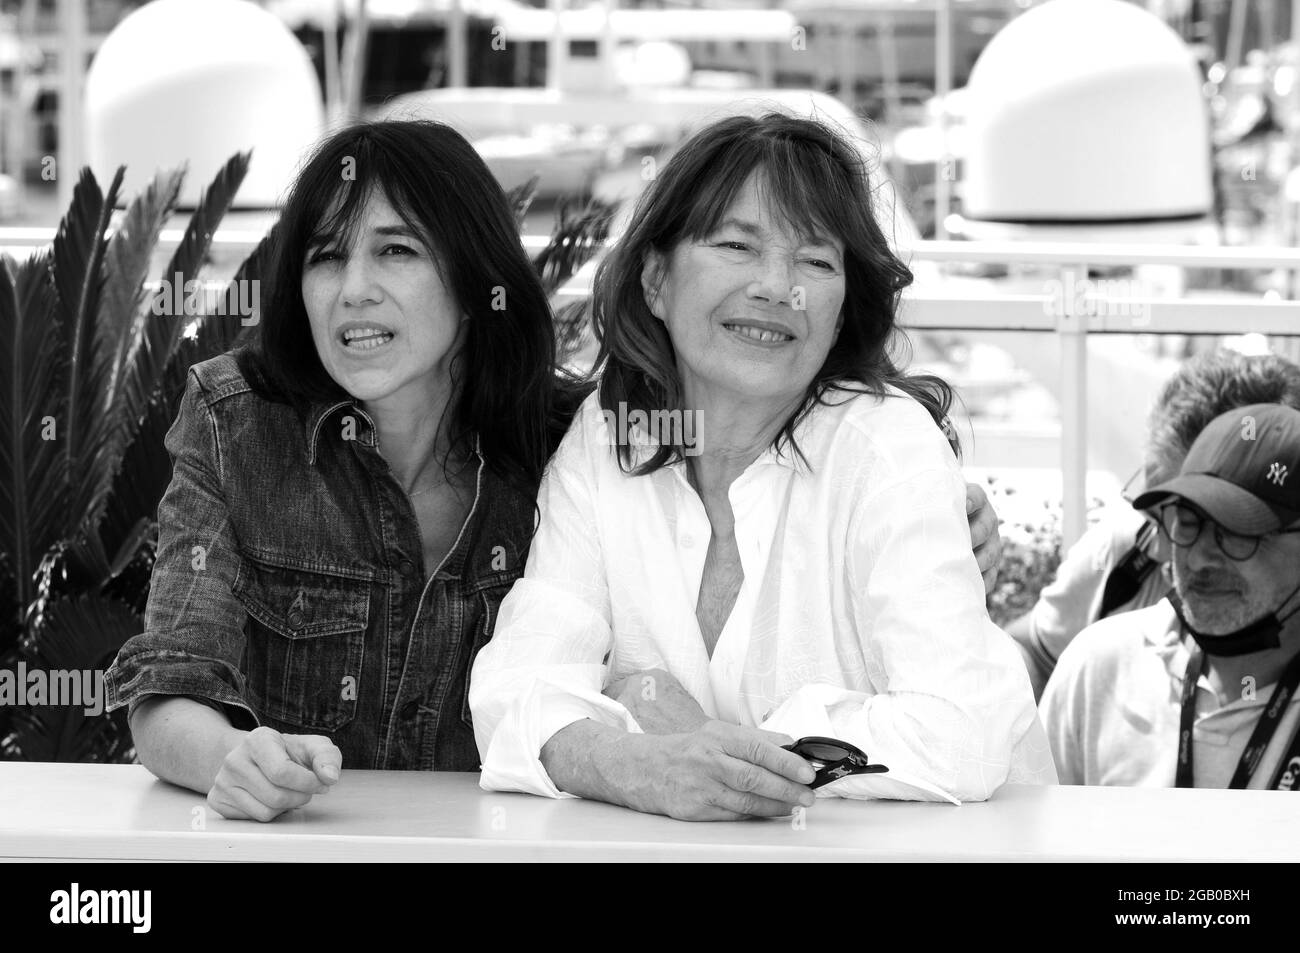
[557,53]
[72,148]
[943,86]
[1072,329]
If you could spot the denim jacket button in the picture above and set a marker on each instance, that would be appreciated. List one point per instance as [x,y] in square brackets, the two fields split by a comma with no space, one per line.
[406,567]
[410,710]
[296,618]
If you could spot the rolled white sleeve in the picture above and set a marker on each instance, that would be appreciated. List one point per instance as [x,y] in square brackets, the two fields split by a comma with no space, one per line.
[954,716]
[544,667]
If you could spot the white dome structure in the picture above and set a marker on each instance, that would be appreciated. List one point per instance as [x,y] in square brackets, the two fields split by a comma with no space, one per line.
[1087,111]
[653,63]
[196,81]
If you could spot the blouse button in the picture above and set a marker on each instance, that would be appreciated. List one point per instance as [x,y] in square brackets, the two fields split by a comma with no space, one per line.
[406,567]
[688,541]
[296,618]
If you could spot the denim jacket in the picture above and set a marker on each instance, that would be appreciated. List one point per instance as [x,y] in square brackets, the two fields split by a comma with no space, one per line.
[287,588]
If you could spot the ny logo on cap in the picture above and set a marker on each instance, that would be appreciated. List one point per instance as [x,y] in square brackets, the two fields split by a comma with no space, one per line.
[1277,473]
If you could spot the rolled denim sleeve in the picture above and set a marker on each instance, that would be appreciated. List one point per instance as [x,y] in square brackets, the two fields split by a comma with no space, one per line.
[193,634]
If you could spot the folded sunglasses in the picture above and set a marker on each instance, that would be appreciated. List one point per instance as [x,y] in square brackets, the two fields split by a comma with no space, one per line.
[833,759]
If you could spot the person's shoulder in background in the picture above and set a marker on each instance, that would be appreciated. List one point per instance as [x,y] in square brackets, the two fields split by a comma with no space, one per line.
[1073,599]
[1112,667]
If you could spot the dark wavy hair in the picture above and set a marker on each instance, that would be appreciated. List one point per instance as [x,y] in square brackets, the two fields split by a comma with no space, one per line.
[1210,384]
[817,181]
[444,192]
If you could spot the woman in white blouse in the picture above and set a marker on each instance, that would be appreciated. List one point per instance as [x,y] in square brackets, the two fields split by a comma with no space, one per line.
[755,529]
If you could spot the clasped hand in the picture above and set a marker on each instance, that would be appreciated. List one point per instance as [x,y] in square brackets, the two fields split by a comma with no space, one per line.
[691,767]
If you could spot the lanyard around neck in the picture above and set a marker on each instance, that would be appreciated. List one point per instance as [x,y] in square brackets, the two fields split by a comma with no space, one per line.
[1265,728]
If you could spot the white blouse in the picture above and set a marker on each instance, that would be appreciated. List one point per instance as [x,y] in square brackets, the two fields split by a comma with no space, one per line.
[861,615]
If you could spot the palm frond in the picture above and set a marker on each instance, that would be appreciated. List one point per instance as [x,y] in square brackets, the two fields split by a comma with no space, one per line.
[74,564]
[132,568]
[32,366]
[77,268]
[146,467]
[218,333]
[134,493]
[521,199]
[10,609]
[11,630]
[572,322]
[576,237]
[79,634]
[214,202]
[142,478]
[84,631]
[129,253]
[162,334]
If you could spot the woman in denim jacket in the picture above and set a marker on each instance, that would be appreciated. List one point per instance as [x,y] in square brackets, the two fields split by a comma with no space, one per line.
[345,512]
[354,494]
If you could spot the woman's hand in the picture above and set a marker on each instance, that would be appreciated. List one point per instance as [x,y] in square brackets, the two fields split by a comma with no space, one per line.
[718,772]
[984,536]
[269,773]
[658,702]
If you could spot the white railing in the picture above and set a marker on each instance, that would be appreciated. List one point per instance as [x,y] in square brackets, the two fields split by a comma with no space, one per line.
[927,306]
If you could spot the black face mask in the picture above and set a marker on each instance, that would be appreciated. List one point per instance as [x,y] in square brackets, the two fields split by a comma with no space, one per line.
[1256,637]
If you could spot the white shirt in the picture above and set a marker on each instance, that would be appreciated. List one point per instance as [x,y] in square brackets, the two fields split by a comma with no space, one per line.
[1113,703]
[861,615]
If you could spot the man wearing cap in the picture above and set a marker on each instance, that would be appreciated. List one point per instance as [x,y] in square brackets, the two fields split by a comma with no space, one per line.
[1122,562]
[1200,689]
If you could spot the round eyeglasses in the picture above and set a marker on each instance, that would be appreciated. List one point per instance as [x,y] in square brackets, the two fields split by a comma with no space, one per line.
[1183,525]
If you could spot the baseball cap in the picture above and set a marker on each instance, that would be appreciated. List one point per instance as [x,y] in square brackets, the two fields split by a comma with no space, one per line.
[1243,471]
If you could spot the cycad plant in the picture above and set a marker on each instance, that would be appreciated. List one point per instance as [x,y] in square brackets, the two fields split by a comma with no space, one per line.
[91,374]
[92,370]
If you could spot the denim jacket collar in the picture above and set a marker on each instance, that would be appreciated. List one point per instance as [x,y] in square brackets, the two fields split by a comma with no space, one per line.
[322,411]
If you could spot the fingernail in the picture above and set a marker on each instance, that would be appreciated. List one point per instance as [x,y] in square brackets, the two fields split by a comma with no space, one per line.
[330,772]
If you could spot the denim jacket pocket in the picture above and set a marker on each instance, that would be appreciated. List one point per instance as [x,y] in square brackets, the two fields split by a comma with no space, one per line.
[305,642]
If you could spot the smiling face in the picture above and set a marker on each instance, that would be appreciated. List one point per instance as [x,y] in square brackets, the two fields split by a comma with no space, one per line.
[1222,595]
[384,323]
[752,308]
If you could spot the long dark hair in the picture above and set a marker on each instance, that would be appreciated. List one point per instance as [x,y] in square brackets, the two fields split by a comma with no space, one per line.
[818,182]
[504,384]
